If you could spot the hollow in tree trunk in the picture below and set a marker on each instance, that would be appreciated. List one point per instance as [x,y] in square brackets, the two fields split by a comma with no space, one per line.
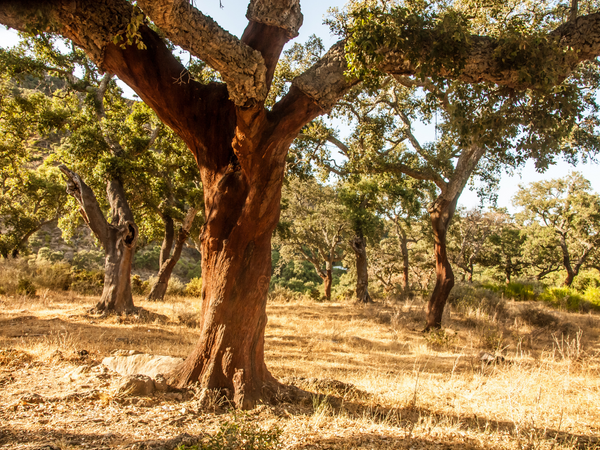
[166,269]
[441,213]
[117,238]
[358,244]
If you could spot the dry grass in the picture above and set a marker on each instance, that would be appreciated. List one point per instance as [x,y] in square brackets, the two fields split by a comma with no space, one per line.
[400,388]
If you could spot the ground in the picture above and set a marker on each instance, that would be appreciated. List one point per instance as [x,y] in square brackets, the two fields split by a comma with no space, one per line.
[377,381]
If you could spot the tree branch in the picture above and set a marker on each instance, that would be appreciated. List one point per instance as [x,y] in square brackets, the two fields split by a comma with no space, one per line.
[90,209]
[241,67]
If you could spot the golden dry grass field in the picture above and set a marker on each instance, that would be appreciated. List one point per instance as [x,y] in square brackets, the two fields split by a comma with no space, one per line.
[399,388]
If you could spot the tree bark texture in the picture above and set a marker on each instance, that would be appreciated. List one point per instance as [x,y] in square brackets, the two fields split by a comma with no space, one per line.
[358,244]
[167,243]
[441,214]
[166,268]
[117,238]
[328,281]
[405,262]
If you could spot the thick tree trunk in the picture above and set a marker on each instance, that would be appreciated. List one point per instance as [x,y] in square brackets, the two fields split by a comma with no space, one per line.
[166,269]
[358,244]
[167,243]
[441,214]
[119,247]
[236,268]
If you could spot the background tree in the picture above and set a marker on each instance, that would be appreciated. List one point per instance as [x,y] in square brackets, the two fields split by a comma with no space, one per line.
[359,196]
[316,228]
[470,233]
[570,211]
[31,194]
[504,249]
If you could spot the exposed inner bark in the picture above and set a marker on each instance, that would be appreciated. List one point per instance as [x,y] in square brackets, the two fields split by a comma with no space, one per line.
[441,213]
[359,246]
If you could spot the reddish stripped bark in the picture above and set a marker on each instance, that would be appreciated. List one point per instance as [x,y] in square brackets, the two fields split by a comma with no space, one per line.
[441,213]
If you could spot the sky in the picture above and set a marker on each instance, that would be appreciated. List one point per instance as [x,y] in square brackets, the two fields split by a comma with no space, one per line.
[231,16]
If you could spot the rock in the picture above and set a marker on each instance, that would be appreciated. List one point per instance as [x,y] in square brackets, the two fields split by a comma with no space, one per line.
[142,364]
[489,359]
[160,384]
[125,352]
[136,385]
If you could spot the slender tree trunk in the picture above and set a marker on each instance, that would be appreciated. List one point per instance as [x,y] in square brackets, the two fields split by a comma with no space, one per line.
[358,244]
[441,214]
[508,273]
[328,280]
[117,238]
[470,273]
[167,243]
[166,269]
[405,267]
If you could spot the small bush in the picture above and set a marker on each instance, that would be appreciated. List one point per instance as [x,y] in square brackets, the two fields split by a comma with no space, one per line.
[88,260]
[281,294]
[25,287]
[175,287]
[87,282]
[194,288]
[56,277]
[139,286]
[440,339]
[564,298]
[466,298]
[46,254]
[492,338]
[592,296]
[240,433]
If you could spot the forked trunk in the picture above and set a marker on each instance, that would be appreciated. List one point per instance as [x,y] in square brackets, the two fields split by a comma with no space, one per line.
[358,244]
[117,238]
[441,214]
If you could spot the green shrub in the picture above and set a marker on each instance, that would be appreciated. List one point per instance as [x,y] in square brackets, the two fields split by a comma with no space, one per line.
[139,286]
[564,298]
[46,254]
[280,294]
[87,282]
[194,288]
[147,258]
[175,287]
[25,287]
[592,296]
[56,277]
[240,433]
[513,290]
[467,297]
[88,260]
